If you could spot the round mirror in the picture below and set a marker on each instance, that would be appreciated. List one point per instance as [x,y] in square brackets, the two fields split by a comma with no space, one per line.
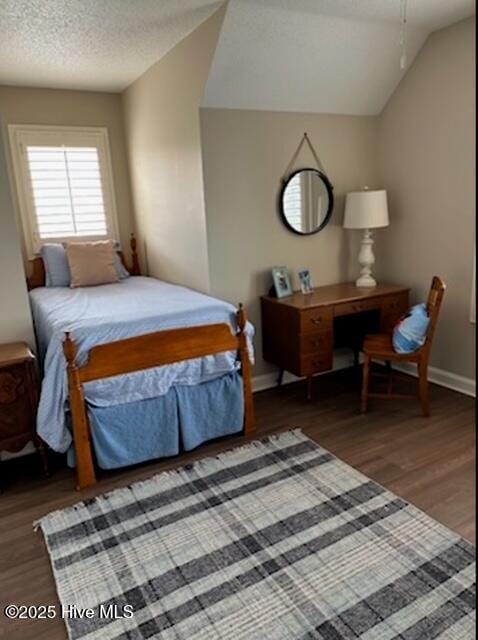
[306,201]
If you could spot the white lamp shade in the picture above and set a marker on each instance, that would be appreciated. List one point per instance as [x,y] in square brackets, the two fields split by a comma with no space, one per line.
[366,210]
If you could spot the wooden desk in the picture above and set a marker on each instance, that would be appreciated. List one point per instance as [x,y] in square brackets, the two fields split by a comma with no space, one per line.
[298,332]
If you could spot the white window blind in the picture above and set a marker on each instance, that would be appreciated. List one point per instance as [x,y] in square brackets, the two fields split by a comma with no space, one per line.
[67,192]
[64,183]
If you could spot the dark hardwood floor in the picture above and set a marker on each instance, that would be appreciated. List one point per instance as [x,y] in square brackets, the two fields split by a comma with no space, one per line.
[428,461]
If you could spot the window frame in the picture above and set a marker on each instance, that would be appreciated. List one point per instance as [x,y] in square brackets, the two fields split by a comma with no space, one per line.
[90,136]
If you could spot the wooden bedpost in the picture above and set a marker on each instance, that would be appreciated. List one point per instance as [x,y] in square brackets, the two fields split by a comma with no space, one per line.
[249,418]
[85,470]
[135,270]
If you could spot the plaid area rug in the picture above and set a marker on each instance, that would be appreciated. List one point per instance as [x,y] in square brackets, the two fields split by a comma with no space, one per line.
[277,540]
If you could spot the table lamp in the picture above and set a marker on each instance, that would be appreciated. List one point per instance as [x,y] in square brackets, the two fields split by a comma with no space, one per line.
[366,210]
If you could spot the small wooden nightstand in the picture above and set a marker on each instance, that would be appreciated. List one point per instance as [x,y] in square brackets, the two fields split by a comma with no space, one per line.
[19,400]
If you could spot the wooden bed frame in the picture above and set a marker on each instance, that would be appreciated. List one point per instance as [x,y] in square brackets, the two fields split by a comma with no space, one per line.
[144,352]
[138,353]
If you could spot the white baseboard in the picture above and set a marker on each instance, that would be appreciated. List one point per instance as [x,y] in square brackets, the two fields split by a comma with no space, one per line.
[453,381]
[342,360]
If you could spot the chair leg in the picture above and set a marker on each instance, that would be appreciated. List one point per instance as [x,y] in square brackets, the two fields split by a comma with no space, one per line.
[365,382]
[423,393]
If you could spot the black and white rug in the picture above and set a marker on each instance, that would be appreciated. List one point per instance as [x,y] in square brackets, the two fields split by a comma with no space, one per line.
[277,540]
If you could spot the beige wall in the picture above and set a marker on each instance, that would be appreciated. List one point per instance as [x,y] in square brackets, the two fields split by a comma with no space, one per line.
[15,320]
[19,105]
[427,160]
[245,154]
[162,126]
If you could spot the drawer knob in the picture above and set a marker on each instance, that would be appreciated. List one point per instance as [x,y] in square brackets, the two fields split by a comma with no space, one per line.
[316,320]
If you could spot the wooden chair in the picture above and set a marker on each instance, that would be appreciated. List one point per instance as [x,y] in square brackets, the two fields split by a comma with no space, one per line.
[380,347]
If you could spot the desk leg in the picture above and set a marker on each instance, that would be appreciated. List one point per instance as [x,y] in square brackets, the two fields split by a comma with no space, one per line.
[309,387]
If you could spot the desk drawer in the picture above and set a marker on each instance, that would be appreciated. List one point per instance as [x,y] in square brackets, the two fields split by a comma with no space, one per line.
[316,320]
[315,343]
[349,308]
[315,363]
[395,305]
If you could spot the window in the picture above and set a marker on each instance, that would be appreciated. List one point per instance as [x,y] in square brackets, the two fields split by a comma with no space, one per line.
[64,183]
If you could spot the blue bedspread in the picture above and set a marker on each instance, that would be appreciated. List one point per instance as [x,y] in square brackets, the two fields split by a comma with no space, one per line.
[97,315]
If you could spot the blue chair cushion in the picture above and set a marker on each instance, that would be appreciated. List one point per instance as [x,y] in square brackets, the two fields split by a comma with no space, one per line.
[410,332]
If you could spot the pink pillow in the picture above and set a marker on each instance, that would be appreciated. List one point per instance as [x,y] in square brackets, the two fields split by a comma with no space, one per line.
[91,263]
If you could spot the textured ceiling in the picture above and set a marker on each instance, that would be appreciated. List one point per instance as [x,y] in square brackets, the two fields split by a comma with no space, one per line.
[91,44]
[335,56]
[324,56]
[429,14]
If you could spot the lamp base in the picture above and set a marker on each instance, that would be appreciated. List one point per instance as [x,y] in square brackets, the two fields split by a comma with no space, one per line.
[366,260]
[365,281]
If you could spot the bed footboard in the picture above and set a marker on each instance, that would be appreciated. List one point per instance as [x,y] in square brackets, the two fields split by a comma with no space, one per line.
[145,352]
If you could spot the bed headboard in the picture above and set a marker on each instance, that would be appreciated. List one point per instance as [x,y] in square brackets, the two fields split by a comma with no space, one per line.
[36,277]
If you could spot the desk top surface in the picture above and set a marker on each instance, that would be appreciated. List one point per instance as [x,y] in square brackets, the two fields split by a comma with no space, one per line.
[335,294]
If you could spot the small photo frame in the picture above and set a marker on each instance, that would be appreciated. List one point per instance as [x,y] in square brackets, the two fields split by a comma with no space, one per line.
[282,284]
[305,281]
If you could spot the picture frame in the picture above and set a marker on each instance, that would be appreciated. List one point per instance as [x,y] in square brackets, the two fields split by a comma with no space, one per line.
[305,281]
[282,283]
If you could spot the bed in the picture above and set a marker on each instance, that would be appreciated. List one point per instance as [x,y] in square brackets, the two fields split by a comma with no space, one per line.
[138,370]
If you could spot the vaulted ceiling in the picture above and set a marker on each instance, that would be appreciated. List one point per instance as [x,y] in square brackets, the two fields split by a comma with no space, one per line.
[326,56]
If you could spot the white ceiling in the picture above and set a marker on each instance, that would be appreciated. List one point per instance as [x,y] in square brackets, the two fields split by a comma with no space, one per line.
[335,56]
[324,56]
[91,44]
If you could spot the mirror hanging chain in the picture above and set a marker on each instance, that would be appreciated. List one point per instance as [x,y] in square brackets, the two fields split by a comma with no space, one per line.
[305,140]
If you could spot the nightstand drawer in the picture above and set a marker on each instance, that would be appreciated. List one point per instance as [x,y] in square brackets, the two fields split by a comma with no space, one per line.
[315,363]
[16,412]
[18,399]
[314,343]
[316,320]
[18,395]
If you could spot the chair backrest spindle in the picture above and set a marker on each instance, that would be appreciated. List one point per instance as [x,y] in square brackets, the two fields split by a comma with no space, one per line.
[434,303]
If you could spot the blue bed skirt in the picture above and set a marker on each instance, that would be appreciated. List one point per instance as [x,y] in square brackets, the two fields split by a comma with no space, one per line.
[182,419]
